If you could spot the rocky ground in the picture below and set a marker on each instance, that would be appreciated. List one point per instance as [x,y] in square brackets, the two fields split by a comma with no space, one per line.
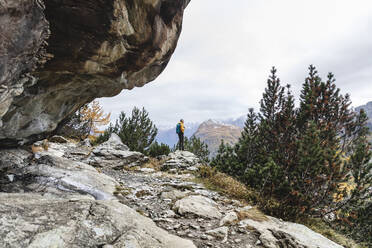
[63,194]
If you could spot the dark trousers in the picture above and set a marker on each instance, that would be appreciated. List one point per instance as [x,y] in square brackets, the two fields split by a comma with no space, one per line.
[180,141]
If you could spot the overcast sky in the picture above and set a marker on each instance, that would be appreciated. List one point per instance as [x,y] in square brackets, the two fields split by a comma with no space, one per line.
[227,48]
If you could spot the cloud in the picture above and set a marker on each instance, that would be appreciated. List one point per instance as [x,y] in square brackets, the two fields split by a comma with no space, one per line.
[226,50]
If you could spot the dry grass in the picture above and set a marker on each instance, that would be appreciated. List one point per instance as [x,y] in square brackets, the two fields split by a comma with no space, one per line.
[142,193]
[36,149]
[319,226]
[122,190]
[229,186]
[253,214]
[225,184]
[43,147]
[154,163]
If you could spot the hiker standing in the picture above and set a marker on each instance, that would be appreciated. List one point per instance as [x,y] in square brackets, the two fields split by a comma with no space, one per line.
[180,130]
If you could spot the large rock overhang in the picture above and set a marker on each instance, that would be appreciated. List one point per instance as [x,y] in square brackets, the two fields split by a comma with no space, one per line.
[57,55]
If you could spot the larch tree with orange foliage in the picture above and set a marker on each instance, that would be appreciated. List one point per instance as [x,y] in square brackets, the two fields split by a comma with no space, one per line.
[84,122]
[95,117]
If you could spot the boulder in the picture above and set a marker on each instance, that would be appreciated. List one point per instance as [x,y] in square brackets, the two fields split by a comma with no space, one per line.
[181,160]
[58,55]
[114,154]
[114,142]
[274,233]
[85,142]
[220,232]
[32,220]
[174,194]
[197,205]
[229,218]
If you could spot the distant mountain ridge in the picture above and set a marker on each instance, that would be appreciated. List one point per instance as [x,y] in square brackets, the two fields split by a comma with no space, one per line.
[167,135]
[368,109]
[212,132]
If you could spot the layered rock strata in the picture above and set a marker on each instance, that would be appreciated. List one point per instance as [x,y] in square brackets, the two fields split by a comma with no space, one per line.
[57,56]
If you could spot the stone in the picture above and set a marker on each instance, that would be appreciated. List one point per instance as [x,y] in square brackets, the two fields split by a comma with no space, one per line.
[275,233]
[174,194]
[14,158]
[66,197]
[197,205]
[58,139]
[31,220]
[181,160]
[229,218]
[196,227]
[114,154]
[168,213]
[85,142]
[220,233]
[57,56]
[147,170]
[245,208]
[113,143]
[70,176]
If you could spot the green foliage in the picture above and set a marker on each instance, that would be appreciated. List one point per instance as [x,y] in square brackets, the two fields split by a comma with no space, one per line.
[103,137]
[137,131]
[226,162]
[297,156]
[355,217]
[157,149]
[198,147]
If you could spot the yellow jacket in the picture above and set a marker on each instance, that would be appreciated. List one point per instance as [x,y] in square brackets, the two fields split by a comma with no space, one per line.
[182,126]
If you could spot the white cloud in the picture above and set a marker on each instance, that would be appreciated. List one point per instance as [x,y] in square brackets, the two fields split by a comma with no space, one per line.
[227,49]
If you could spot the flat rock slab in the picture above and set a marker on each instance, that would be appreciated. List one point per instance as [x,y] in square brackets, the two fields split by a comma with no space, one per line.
[71,176]
[31,220]
[198,205]
[275,233]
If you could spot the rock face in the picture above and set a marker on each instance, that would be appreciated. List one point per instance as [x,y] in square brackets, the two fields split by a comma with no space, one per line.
[212,132]
[31,220]
[275,233]
[181,160]
[51,197]
[58,56]
[55,201]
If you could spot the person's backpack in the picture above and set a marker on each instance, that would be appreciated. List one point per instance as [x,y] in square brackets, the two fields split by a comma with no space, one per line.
[178,128]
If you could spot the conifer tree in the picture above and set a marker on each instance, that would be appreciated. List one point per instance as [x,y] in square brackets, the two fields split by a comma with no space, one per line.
[245,148]
[246,151]
[94,115]
[226,161]
[157,149]
[85,122]
[355,215]
[137,131]
[271,103]
[198,147]
[303,157]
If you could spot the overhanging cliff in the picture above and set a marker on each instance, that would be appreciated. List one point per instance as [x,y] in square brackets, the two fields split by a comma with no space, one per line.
[60,54]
